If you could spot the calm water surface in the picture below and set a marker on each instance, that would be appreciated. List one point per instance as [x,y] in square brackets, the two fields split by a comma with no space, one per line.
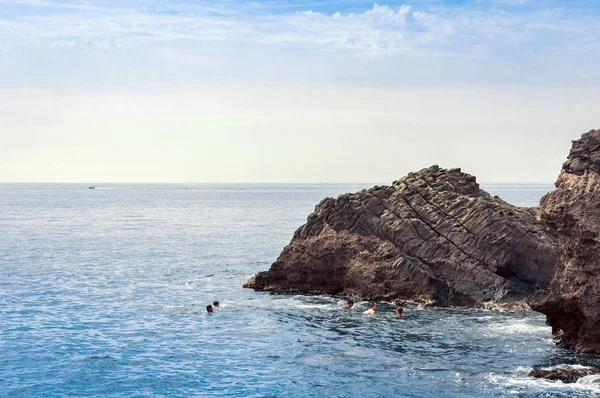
[103,293]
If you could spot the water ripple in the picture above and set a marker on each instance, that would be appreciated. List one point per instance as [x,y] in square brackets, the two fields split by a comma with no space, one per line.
[104,293]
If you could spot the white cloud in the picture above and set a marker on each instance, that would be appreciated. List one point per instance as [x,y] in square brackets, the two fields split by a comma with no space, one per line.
[381,29]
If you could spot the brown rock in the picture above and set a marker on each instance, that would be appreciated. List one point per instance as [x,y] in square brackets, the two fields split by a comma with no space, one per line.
[432,236]
[567,375]
[572,303]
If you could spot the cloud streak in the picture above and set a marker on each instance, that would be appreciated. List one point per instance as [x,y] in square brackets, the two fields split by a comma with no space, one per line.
[413,30]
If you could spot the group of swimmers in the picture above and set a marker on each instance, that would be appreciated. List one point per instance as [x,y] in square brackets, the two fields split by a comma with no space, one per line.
[350,304]
[211,308]
[371,310]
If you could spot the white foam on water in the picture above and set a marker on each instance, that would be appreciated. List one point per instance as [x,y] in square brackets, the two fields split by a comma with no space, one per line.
[519,327]
[520,379]
[294,302]
[591,379]
[566,366]
[523,370]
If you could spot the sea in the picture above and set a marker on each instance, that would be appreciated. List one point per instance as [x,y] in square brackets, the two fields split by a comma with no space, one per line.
[103,293]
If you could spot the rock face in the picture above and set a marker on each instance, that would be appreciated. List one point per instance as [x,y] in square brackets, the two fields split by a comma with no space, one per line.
[432,236]
[572,303]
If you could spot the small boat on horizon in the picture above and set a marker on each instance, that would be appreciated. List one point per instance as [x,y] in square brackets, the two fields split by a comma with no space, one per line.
[92,187]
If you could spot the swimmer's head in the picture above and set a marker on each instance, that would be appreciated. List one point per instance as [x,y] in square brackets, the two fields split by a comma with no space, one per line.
[209,308]
[215,303]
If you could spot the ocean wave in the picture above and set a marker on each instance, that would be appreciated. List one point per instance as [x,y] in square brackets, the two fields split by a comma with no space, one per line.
[520,379]
[591,379]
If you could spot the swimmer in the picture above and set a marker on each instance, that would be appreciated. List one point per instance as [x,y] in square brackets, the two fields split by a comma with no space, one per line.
[216,304]
[371,310]
[209,308]
[399,311]
[347,306]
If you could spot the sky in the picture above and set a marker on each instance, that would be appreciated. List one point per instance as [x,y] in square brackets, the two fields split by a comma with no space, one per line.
[293,91]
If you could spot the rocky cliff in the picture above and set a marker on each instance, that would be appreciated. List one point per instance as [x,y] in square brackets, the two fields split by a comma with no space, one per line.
[572,303]
[431,236]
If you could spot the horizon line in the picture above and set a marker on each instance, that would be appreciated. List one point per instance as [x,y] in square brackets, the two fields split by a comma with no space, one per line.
[250,183]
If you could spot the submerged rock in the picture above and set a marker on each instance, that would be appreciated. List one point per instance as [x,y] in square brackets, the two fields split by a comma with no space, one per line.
[433,236]
[566,375]
[572,302]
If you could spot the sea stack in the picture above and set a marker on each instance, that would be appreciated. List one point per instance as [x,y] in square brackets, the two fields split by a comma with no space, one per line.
[572,302]
[433,236]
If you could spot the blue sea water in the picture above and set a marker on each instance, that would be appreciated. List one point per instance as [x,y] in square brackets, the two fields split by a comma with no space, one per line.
[103,293]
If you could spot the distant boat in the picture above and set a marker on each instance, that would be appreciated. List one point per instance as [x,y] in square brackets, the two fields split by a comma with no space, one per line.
[92,187]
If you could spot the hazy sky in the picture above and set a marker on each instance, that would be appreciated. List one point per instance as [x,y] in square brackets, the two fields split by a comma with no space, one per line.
[293,91]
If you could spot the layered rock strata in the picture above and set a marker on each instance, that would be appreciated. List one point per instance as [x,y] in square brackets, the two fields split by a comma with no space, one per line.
[572,303]
[433,236]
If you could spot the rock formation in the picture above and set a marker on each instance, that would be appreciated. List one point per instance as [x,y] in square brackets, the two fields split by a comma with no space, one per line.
[566,375]
[433,236]
[572,303]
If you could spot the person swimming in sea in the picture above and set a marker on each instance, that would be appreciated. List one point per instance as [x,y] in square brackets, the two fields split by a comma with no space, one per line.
[371,310]
[209,308]
[399,311]
[215,304]
[347,306]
